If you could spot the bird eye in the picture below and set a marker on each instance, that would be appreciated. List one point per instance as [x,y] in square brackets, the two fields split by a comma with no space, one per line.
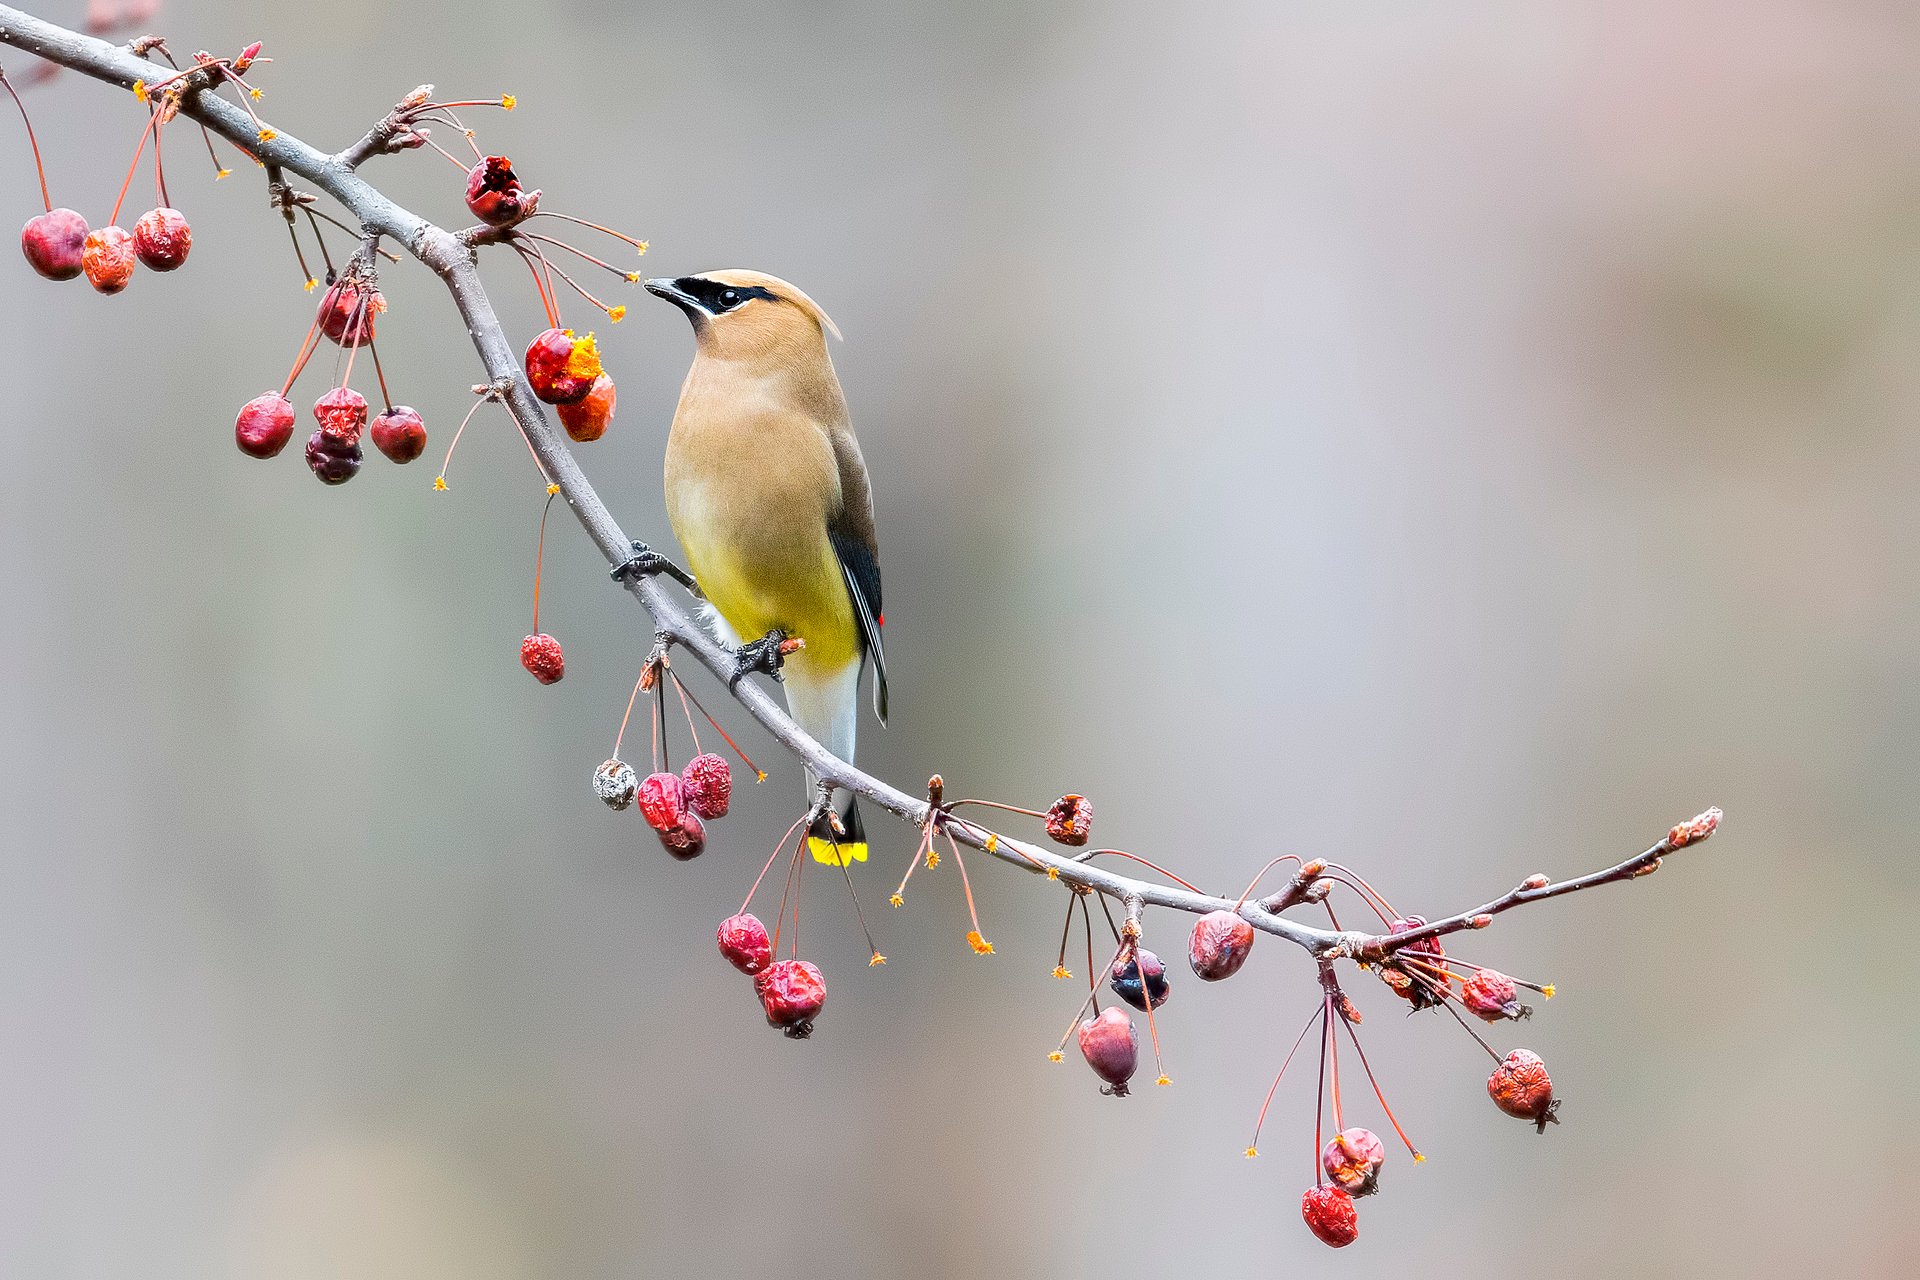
[729,298]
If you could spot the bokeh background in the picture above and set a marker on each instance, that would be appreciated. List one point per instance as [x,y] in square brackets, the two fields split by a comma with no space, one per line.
[1459,439]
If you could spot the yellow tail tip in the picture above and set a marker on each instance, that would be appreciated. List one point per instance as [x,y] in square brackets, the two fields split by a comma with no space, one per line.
[824,851]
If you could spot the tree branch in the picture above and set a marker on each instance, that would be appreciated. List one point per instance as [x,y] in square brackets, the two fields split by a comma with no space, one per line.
[454,259]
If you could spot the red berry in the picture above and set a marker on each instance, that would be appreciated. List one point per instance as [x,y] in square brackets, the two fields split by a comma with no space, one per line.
[400,433]
[562,368]
[494,194]
[540,655]
[333,461]
[1422,992]
[1521,1087]
[344,319]
[1126,980]
[106,256]
[662,801]
[1107,1043]
[744,942]
[342,415]
[1493,996]
[586,420]
[707,785]
[792,992]
[615,783]
[1070,820]
[1220,944]
[1352,1158]
[1329,1214]
[53,243]
[686,841]
[264,426]
[161,238]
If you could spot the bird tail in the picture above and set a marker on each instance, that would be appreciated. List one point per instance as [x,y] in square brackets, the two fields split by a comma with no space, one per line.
[837,839]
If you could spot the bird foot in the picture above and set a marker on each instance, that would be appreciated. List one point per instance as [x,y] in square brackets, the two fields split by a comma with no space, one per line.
[765,654]
[646,562]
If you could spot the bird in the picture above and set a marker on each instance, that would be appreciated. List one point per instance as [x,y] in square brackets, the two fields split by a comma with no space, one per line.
[769,497]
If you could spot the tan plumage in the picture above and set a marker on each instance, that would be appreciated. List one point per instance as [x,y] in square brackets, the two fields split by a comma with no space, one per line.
[768,495]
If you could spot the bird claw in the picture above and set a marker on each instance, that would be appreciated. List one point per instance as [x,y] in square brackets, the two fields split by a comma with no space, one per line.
[646,562]
[766,654]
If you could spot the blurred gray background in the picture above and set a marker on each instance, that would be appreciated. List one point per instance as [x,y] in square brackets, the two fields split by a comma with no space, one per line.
[1459,439]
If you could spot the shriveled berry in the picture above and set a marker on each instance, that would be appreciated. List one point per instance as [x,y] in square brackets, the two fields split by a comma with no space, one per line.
[400,433]
[744,942]
[1521,1087]
[707,785]
[1108,1044]
[54,242]
[342,415]
[1127,975]
[107,257]
[264,426]
[1352,1158]
[162,238]
[562,368]
[1330,1216]
[347,312]
[686,841]
[662,801]
[333,461]
[1424,990]
[793,993]
[586,420]
[540,655]
[1070,820]
[1493,996]
[493,192]
[615,783]
[1220,943]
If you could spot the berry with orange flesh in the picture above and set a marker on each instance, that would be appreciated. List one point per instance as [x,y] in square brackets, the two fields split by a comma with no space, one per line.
[586,420]
[107,257]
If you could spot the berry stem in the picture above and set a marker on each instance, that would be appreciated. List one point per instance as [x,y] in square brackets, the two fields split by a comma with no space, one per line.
[307,347]
[1339,1124]
[1478,1039]
[380,373]
[631,277]
[639,680]
[1365,1066]
[978,941]
[440,481]
[641,245]
[547,299]
[32,141]
[1253,1147]
[759,774]
[1320,1090]
[1261,875]
[1151,866]
[692,731]
[614,314]
[138,149]
[539,558]
[780,845]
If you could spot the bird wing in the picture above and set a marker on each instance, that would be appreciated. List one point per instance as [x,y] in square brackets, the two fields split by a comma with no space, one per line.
[851,531]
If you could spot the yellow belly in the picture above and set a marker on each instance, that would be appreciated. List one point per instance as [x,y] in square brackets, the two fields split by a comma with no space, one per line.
[760,580]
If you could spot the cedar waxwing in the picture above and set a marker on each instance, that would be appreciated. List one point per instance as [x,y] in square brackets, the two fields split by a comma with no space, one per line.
[768,495]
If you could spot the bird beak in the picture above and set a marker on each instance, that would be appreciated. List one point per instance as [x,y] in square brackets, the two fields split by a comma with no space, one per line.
[672,292]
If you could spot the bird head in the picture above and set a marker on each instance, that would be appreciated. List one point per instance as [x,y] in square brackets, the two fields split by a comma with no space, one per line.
[743,315]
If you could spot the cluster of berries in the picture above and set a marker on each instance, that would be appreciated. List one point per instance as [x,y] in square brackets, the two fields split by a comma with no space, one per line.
[676,805]
[59,244]
[791,992]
